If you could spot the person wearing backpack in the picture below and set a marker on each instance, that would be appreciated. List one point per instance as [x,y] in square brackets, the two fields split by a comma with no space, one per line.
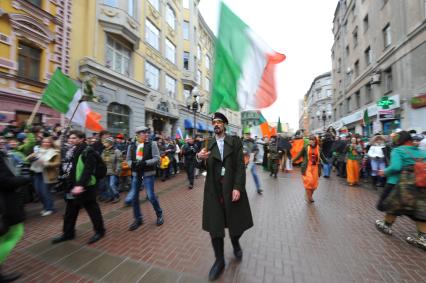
[405,192]
[86,168]
[143,157]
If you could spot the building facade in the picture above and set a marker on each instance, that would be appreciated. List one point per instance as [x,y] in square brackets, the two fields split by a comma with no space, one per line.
[151,58]
[378,56]
[34,41]
[318,105]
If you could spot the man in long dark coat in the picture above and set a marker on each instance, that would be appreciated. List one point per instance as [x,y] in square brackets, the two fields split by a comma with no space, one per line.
[225,198]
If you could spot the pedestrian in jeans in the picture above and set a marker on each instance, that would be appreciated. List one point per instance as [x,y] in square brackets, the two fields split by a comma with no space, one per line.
[250,148]
[45,164]
[112,159]
[143,156]
[401,195]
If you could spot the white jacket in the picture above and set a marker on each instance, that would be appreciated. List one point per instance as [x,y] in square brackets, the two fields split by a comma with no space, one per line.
[376,151]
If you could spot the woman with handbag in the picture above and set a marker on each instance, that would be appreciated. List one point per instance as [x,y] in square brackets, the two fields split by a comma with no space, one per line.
[11,213]
[402,196]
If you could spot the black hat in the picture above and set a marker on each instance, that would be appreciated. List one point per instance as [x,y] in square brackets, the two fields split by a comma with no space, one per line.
[220,116]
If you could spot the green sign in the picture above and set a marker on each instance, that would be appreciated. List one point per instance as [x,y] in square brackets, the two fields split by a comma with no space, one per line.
[385,102]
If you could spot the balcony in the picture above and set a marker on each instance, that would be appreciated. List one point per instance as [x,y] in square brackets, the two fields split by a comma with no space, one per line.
[118,21]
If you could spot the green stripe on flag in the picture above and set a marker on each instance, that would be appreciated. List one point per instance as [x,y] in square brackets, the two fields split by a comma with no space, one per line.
[59,92]
[231,49]
[261,118]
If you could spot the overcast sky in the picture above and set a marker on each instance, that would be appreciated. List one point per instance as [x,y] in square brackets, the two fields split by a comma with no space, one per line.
[299,29]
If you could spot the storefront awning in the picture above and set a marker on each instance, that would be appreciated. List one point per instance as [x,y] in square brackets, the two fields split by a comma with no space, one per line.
[201,126]
[188,124]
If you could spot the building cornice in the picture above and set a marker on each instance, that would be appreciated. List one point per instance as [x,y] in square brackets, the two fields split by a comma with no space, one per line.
[88,65]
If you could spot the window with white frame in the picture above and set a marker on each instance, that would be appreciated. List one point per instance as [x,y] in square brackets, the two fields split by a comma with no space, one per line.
[387,39]
[207,84]
[117,56]
[152,76]
[155,4]
[170,51]
[198,78]
[388,80]
[170,17]
[207,62]
[152,34]
[368,56]
[186,4]
[131,8]
[170,86]
[112,3]
[185,29]
[186,60]
[199,52]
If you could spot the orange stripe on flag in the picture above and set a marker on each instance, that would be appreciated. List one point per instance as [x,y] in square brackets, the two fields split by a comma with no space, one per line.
[92,121]
[266,93]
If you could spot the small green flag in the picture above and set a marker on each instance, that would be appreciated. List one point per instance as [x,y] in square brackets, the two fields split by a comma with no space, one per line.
[365,118]
[279,126]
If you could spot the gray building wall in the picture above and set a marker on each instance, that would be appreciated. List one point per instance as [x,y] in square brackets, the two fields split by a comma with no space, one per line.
[396,70]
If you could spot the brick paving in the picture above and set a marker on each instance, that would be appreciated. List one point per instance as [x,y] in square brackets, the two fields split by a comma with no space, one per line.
[332,240]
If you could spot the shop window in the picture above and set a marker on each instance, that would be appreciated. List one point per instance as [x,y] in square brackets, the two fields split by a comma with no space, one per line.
[29,61]
[22,117]
[118,118]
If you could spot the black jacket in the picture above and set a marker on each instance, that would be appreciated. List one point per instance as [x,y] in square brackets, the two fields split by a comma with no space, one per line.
[11,203]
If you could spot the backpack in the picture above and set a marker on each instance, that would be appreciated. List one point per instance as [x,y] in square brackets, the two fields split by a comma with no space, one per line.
[419,171]
[100,170]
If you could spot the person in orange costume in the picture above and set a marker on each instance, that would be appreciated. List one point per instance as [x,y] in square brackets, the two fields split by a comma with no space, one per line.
[311,167]
[354,155]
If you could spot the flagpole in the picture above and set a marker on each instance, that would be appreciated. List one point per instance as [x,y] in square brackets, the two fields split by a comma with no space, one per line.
[35,110]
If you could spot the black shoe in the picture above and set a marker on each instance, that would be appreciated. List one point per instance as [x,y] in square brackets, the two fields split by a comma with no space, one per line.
[217,269]
[9,277]
[160,220]
[275,176]
[238,254]
[96,238]
[62,238]
[260,192]
[135,225]
[190,187]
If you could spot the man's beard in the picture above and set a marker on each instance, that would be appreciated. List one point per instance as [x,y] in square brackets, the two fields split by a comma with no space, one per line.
[218,130]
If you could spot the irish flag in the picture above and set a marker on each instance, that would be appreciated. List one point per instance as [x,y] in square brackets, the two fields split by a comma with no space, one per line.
[262,129]
[63,95]
[244,67]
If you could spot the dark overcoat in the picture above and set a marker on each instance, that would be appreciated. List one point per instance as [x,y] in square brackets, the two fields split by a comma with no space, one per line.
[219,212]
[11,202]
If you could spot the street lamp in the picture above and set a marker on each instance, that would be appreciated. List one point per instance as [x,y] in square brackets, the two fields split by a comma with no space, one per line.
[324,116]
[195,105]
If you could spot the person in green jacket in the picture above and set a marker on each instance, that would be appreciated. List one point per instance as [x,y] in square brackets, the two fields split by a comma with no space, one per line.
[402,160]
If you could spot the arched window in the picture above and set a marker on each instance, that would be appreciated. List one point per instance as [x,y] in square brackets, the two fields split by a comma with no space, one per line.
[118,118]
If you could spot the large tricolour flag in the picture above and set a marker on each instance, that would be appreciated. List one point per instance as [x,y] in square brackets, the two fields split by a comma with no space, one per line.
[244,74]
[63,95]
[262,129]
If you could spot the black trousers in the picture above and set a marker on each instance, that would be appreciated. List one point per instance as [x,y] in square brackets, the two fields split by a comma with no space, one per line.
[71,213]
[190,169]
[218,245]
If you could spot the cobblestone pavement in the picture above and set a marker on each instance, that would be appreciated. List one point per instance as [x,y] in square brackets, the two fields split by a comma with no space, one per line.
[332,240]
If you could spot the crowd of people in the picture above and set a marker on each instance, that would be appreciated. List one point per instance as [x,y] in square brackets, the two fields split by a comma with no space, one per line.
[40,163]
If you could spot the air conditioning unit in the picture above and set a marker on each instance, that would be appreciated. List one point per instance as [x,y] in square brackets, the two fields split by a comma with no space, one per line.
[375,78]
